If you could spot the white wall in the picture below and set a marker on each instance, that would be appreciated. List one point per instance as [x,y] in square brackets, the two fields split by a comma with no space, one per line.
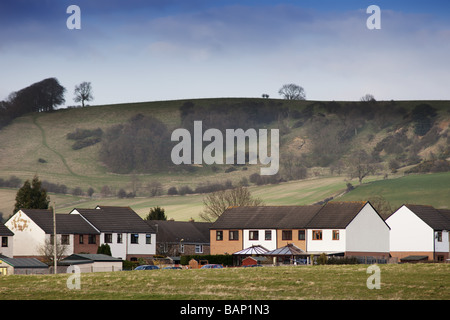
[442,246]
[28,236]
[268,244]
[409,232]
[367,232]
[120,250]
[327,244]
[9,250]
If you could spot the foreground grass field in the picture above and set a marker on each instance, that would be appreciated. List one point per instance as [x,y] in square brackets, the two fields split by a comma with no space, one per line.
[329,282]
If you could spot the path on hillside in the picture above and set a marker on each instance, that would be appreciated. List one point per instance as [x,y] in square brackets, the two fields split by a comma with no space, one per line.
[44,142]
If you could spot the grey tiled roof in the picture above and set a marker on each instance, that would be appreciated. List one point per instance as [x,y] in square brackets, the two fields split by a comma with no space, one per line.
[23,262]
[4,230]
[174,231]
[438,219]
[65,223]
[115,219]
[333,215]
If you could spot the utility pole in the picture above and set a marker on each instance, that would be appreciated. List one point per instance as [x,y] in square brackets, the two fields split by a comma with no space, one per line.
[54,238]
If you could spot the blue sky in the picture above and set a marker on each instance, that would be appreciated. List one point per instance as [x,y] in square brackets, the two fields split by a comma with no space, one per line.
[143,50]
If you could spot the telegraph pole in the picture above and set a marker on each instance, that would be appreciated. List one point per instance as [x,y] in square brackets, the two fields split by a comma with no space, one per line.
[54,238]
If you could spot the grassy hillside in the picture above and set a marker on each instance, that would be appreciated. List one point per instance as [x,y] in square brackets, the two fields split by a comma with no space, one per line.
[311,131]
[432,189]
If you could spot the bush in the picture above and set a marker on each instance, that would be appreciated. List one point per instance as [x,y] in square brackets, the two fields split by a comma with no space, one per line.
[344,260]
[121,194]
[104,249]
[172,191]
[184,190]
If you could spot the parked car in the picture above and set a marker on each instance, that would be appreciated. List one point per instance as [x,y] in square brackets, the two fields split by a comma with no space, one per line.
[146,267]
[212,266]
[172,268]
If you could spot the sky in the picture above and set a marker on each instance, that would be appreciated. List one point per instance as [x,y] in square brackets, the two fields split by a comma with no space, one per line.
[152,50]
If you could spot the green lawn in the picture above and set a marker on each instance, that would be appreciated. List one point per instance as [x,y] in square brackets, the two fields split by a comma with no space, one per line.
[343,282]
[431,189]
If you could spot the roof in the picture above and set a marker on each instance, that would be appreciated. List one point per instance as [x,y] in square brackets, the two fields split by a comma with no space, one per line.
[288,250]
[23,262]
[4,231]
[257,249]
[65,223]
[438,219]
[266,217]
[115,219]
[175,231]
[82,258]
[336,215]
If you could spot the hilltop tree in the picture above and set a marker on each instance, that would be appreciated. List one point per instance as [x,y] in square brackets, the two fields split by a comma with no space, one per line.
[83,92]
[31,196]
[292,91]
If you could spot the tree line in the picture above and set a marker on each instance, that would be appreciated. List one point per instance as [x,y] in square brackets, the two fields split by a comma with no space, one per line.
[43,96]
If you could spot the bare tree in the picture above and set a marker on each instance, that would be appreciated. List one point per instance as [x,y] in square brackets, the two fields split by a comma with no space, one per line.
[217,202]
[46,250]
[361,165]
[368,98]
[382,206]
[292,92]
[83,92]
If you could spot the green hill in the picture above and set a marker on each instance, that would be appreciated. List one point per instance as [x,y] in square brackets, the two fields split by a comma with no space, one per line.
[318,137]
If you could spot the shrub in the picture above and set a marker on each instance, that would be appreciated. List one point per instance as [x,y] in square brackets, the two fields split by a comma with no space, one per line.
[172,191]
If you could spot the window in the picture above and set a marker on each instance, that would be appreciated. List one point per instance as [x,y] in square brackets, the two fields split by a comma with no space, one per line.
[108,237]
[439,236]
[65,239]
[286,235]
[4,242]
[233,235]
[335,234]
[181,247]
[268,235]
[92,239]
[119,238]
[135,238]
[198,248]
[301,234]
[148,238]
[80,239]
[253,235]
[317,235]
[219,235]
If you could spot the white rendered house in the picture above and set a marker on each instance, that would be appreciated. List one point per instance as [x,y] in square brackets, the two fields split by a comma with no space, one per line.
[421,231]
[126,233]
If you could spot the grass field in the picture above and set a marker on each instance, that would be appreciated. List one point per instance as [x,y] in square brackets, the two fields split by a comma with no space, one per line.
[432,189]
[343,282]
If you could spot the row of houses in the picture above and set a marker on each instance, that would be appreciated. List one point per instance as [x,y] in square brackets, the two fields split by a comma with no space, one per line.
[336,229]
[350,229]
